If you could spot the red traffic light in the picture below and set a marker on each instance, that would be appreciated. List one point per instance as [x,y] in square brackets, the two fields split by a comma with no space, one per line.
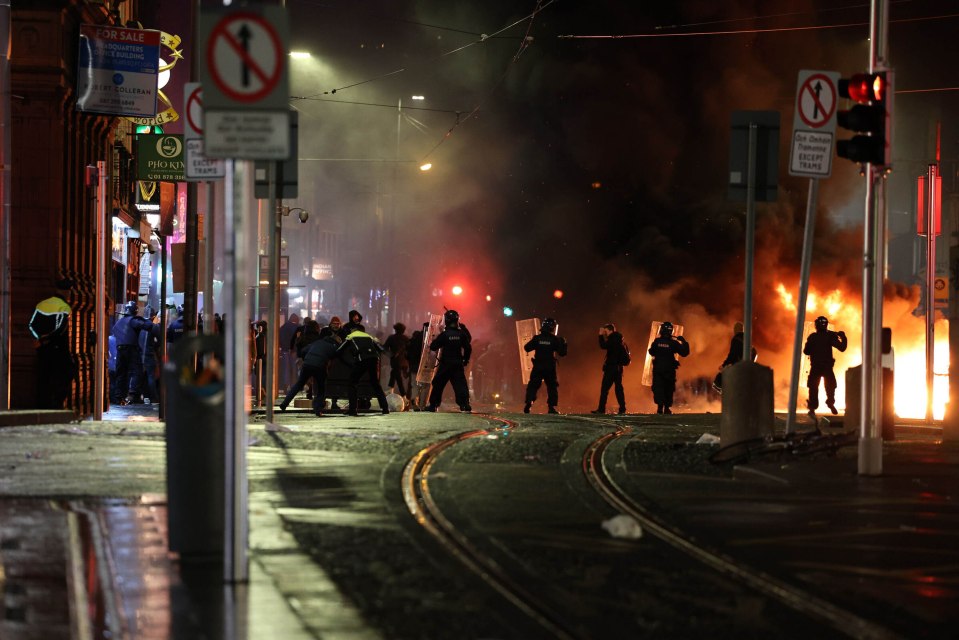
[863,88]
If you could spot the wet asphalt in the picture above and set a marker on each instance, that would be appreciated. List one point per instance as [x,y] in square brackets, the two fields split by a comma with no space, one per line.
[334,553]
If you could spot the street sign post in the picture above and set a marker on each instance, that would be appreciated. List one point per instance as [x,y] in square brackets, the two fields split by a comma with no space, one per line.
[245,77]
[197,165]
[814,128]
[118,70]
[814,124]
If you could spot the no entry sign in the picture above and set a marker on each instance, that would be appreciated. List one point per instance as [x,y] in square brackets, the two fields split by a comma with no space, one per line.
[814,124]
[244,59]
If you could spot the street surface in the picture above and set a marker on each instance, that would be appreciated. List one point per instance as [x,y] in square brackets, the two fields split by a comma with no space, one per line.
[339,549]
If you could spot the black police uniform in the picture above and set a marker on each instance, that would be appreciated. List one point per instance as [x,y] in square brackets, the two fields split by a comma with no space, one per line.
[362,352]
[546,347]
[617,355]
[129,358]
[819,346]
[455,350]
[664,350]
[315,359]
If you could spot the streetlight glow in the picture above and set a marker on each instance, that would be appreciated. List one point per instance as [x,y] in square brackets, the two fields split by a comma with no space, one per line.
[418,98]
[426,167]
[299,55]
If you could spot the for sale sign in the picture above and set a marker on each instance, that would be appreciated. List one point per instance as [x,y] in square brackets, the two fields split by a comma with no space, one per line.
[118,70]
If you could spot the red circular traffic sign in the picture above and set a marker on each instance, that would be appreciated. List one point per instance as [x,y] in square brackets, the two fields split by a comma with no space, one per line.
[245,56]
[816,106]
[194,109]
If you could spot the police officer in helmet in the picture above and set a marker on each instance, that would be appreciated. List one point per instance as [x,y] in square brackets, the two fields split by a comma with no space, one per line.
[453,345]
[129,357]
[547,347]
[819,346]
[664,350]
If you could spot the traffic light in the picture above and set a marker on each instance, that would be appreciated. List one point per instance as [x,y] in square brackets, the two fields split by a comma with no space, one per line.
[870,119]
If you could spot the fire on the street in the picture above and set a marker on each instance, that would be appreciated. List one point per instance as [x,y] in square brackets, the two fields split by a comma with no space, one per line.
[908,343]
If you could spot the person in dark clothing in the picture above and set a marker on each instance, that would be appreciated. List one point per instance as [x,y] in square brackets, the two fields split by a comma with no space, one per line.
[333,328]
[150,348]
[453,345]
[362,352]
[547,347]
[129,357]
[819,346]
[50,325]
[353,325]
[397,345]
[617,357]
[174,330]
[315,360]
[414,352]
[287,357]
[309,335]
[258,357]
[735,355]
[664,350]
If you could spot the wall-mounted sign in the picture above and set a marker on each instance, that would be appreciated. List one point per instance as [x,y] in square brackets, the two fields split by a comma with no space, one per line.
[118,70]
[159,157]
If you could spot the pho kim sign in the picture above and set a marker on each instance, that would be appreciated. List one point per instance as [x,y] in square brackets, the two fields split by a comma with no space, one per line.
[159,157]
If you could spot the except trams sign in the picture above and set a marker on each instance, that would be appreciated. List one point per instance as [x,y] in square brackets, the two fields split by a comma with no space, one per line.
[814,124]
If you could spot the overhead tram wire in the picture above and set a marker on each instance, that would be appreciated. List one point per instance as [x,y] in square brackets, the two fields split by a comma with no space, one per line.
[772,15]
[638,36]
[524,44]
[483,38]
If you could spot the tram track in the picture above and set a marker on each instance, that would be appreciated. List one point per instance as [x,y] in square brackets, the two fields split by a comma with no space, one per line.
[600,474]
[424,509]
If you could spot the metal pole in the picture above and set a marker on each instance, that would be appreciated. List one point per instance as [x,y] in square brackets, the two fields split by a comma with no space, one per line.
[5,225]
[930,288]
[99,319]
[870,436]
[271,329]
[236,527]
[750,242]
[801,302]
[208,231]
[394,311]
[164,318]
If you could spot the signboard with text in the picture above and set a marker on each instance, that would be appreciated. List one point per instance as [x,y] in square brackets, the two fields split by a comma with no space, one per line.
[118,70]
[814,124]
[159,157]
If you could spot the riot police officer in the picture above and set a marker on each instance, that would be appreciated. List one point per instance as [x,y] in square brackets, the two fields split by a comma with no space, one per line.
[547,347]
[819,346]
[664,350]
[129,359]
[453,345]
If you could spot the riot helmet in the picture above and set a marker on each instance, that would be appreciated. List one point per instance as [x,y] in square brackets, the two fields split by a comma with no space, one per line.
[130,308]
[548,326]
[451,317]
[666,329]
[821,323]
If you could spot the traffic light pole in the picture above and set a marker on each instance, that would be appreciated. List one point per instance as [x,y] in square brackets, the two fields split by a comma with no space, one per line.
[870,436]
[750,241]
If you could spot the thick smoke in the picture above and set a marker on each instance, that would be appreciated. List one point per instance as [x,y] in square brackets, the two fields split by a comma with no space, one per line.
[594,167]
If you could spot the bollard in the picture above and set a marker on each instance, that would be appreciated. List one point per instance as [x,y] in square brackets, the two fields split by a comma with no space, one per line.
[195,448]
[851,417]
[747,403]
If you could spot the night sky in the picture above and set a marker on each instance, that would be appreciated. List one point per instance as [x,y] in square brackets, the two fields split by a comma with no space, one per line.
[597,166]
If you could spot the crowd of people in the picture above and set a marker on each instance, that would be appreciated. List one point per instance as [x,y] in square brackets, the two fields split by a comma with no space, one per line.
[309,354]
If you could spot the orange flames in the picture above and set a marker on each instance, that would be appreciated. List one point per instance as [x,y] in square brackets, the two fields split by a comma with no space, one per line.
[908,343]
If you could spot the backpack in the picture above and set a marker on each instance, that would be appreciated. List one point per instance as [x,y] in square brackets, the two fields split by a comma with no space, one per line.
[627,358]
